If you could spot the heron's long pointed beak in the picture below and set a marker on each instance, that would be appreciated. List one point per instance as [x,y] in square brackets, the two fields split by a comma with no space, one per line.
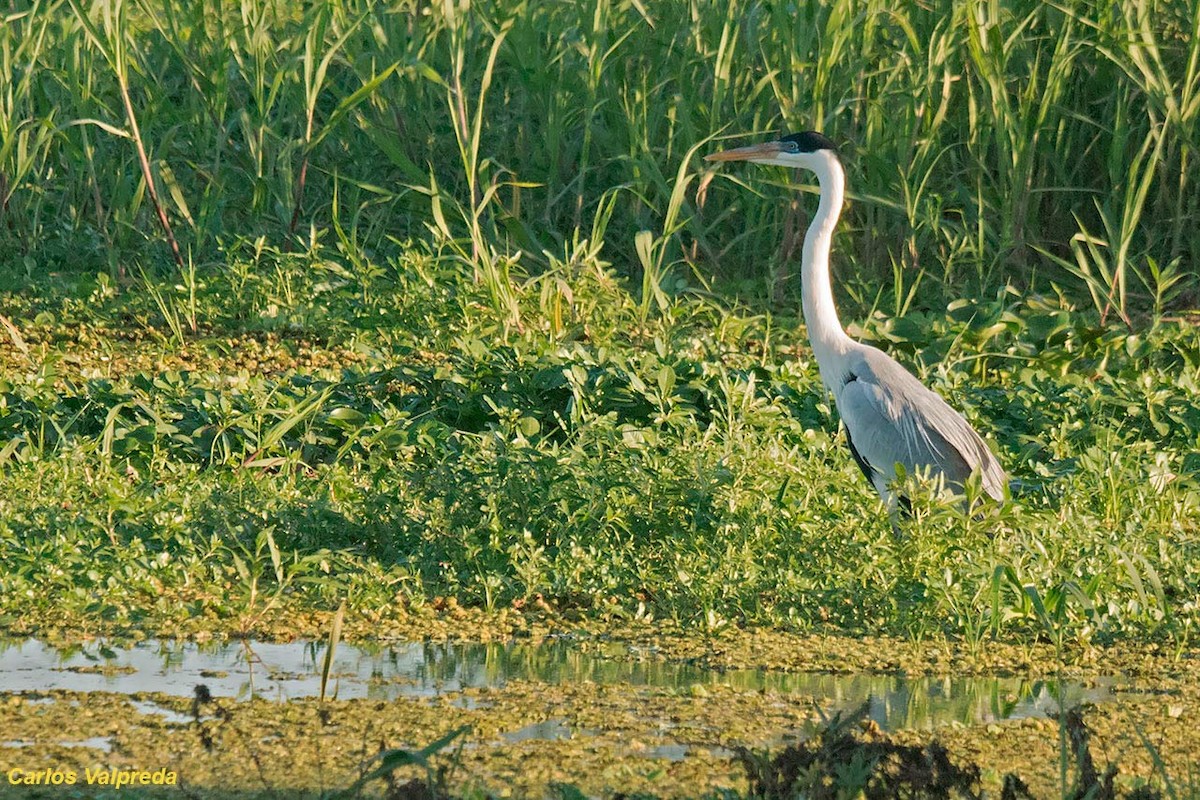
[755,152]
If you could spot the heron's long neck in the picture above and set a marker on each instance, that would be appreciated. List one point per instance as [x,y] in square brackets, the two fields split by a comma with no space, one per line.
[820,315]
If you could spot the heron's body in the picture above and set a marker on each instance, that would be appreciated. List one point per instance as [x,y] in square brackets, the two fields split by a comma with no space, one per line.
[890,417]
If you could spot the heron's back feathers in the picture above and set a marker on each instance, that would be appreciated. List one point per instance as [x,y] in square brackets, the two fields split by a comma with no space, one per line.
[892,418]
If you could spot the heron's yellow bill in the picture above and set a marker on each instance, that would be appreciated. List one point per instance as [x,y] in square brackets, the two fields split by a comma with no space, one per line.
[766,150]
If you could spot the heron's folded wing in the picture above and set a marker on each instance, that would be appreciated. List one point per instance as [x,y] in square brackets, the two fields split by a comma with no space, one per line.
[892,418]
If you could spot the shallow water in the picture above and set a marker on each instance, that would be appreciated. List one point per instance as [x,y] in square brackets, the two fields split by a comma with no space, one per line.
[387,671]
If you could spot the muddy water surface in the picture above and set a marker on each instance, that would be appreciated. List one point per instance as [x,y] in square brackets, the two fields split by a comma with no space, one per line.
[604,716]
[282,672]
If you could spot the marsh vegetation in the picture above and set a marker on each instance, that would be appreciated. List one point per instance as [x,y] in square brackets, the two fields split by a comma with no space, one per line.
[434,310]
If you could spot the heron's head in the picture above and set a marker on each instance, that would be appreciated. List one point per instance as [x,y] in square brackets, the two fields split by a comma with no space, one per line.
[807,150]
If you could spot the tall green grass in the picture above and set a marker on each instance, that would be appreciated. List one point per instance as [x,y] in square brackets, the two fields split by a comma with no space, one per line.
[987,142]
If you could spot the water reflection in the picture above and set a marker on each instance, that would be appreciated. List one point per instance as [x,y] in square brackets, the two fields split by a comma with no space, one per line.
[387,671]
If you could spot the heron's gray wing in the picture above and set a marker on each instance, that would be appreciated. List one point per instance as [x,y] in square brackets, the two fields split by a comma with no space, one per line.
[892,418]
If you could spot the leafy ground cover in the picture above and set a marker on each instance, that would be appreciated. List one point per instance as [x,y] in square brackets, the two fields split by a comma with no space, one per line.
[393,446]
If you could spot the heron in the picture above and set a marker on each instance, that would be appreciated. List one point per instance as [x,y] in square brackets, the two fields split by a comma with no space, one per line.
[891,418]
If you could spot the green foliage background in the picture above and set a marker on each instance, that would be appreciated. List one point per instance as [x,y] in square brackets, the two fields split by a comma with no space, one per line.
[978,134]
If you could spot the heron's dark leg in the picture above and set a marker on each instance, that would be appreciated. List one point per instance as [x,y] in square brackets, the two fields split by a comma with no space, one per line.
[899,511]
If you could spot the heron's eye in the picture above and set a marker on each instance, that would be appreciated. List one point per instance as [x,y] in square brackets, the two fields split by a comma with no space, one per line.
[793,147]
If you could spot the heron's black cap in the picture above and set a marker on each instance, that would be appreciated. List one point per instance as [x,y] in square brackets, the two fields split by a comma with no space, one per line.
[811,142]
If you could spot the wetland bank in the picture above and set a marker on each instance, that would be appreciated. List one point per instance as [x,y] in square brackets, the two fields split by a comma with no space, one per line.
[342,305]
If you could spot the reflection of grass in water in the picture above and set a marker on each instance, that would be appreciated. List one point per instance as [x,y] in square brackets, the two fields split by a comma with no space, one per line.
[418,669]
